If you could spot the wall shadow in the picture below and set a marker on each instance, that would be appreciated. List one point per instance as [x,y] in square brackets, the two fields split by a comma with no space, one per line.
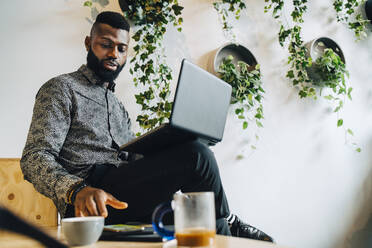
[360,232]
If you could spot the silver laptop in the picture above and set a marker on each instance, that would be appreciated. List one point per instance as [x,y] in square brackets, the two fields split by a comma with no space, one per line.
[199,111]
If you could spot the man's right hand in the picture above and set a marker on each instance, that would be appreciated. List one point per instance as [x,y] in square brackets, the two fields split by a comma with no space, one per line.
[92,202]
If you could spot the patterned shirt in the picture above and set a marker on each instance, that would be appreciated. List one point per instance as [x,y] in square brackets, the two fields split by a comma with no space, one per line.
[77,123]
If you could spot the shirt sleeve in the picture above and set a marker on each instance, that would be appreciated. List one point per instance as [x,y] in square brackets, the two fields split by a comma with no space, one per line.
[49,126]
[131,134]
[127,156]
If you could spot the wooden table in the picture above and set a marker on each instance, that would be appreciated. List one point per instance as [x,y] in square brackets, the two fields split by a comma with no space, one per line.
[11,240]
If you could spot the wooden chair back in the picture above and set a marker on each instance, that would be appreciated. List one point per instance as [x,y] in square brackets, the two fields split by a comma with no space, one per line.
[20,197]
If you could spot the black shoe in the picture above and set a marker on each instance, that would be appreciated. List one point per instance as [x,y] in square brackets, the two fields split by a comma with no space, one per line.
[243,230]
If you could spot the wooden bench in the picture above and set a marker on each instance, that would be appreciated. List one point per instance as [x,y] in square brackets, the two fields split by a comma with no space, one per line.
[21,198]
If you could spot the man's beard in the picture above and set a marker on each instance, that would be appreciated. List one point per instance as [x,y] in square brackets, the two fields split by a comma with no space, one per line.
[97,66]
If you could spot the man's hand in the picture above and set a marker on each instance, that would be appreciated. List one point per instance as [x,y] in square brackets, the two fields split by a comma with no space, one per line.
[92,202]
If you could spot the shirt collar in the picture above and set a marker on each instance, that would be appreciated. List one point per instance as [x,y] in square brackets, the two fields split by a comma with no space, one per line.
[94,79]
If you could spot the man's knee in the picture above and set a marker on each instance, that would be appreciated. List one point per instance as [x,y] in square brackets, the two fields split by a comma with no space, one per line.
[200,149]
[202,158]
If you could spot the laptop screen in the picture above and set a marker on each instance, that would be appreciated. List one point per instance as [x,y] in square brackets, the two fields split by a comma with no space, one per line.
[201,102]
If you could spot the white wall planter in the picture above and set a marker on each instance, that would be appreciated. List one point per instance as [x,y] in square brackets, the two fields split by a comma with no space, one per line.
[368,10]
[238,51]
[316,49]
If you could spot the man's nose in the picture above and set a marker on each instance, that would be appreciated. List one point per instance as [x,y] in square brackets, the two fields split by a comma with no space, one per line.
[114,53]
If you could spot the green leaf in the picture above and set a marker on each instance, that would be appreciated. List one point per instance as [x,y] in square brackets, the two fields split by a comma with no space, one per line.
[350,132]
[337,109]
[258,116]
[290,74]
[239,157]
[358,149]
[88,3]
[259,124]
[177,9]
[349,93]
[245,125]
[302,94]
[340,122]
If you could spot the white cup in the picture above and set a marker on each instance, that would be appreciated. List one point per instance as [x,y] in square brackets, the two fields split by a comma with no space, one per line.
[80,231]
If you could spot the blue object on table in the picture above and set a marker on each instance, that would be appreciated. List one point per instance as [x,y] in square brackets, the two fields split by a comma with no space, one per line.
[157,220]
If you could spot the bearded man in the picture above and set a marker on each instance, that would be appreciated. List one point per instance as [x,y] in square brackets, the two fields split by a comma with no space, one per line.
[72,150]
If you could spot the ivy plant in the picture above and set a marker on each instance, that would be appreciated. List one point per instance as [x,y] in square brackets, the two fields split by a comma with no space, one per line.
[223,8]
[345,11]
[291,36]
[148,66]
[329,65]
[333,73]
[247,91]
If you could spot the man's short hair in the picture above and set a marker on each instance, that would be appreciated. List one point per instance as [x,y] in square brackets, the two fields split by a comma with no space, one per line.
[114,19]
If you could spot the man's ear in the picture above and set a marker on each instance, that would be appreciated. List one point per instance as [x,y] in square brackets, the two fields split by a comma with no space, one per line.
[87,43]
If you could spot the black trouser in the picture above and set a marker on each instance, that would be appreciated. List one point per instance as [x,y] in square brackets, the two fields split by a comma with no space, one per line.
[145,183]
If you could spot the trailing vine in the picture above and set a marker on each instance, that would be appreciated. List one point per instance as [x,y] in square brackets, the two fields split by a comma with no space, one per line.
[328,65]
[345,11]
[148,66]
[223,7]
[297,59]
[247,91]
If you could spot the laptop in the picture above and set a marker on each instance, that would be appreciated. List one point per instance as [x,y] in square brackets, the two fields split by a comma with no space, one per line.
[199,111]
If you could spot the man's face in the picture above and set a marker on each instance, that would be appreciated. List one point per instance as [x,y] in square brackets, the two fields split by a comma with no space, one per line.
[107,51]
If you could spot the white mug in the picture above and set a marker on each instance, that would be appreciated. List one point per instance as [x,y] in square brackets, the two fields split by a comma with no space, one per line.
[82,230]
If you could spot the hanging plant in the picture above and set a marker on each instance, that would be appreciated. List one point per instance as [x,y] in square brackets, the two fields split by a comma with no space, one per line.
[223,8]
[346,14]
[247,91]
[148,66]
[297,59]
[311,77]
[245,78]
[236,65]
[329,71]
[332,71]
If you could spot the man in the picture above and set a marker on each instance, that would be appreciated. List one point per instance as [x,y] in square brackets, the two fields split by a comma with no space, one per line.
[72,150]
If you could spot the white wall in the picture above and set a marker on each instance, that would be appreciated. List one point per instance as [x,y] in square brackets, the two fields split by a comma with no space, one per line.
[302,185]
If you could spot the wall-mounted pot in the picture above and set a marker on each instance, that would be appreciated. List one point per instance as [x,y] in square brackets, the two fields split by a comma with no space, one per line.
[315,49]
[368,10]
[239,53]
[124,5]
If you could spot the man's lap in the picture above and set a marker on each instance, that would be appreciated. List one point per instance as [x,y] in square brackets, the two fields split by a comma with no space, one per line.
[146,182]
